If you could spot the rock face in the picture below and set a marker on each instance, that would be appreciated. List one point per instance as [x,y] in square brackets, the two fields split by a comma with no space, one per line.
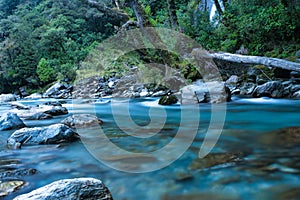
[54,134]
[10,186]
[10,121]
[81,120]
[273,89]
[7,97]
[168,100]
[70,189]
[200,92]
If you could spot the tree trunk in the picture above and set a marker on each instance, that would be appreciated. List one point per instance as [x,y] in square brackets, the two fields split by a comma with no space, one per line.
[218,6]
[257,60]
[172,14]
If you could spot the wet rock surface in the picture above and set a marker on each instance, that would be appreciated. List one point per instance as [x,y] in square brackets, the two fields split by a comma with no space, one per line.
[54,134]
[10,121]
[70,189]
[82,120]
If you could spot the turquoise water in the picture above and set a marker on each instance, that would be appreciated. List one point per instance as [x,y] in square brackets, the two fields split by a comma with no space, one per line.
[248,128]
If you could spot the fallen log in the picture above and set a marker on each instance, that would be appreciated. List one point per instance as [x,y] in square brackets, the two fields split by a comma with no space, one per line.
[257,60]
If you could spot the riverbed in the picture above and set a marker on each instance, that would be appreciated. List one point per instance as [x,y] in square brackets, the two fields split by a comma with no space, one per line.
[268,168]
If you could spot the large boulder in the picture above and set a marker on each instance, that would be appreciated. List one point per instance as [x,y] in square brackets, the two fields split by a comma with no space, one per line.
[7,97]
[70,189]
[10,121]
[210,92]
[274,89]
[54,134]
[82,120]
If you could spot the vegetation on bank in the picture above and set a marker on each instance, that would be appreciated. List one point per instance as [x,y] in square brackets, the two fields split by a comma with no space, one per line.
[42,41]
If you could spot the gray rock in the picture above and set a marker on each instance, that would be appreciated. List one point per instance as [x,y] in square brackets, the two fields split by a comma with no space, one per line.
[211,92]
[295,88]
[10,121]
[296,95]
[82,120]
[54,134]
[273,89]
[57,110]
[38,116]
[19,105]
[70,189]
[59,90]
[247,88]
[53,91]
[7,97]
[231,83]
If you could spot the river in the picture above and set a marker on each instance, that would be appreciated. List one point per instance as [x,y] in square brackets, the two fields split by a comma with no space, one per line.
[269,168]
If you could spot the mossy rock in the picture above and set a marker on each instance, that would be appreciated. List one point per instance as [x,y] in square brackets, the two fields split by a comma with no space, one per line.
[168,100]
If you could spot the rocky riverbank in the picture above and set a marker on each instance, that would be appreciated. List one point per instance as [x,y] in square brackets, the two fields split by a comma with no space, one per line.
[12,172]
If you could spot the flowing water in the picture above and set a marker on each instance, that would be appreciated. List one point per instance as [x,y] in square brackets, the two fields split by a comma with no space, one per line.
[269,167]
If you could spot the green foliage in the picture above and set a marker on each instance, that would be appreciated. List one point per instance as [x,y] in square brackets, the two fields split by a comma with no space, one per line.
[45,72]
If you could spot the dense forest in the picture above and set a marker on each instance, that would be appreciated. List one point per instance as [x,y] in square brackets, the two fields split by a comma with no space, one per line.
[42,41]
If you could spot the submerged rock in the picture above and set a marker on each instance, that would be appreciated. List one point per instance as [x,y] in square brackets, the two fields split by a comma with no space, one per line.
[10,121]
[215,159]
[200,196]
[81,120]
[168,100]
[285,137]
[54,134]
[70,189]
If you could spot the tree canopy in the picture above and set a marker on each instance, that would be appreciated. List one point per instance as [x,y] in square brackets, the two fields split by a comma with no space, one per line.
[42,41]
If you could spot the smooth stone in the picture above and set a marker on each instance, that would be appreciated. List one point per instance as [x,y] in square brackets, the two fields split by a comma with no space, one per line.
[82,120]
[215,159]
[54,134]
[10,121]
[7,187]
[70,189]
